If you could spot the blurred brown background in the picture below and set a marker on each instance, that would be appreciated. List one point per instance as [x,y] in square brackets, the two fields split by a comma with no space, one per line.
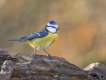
[82,35]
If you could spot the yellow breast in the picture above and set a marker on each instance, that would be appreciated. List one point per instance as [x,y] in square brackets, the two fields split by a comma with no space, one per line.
[42,43]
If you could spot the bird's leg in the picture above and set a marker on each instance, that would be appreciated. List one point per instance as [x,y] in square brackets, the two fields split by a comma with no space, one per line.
[50,57]
[34,54]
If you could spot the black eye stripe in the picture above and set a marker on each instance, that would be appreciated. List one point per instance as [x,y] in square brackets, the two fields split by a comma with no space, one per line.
[51,26]
[54,27]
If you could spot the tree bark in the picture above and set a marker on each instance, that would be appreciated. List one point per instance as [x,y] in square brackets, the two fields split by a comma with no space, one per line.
[21,67]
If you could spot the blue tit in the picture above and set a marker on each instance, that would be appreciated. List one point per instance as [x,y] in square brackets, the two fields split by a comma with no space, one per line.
[42,39]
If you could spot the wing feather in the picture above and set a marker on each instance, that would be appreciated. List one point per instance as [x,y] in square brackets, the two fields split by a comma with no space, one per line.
[36,35]
[31,36]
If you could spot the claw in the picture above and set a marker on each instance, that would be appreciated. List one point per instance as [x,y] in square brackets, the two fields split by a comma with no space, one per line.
[34,56]
[50,57]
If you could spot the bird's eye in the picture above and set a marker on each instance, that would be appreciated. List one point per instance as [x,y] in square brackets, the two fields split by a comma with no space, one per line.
[52,26]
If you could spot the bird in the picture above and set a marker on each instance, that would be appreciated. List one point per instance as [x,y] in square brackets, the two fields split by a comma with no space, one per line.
[42,39]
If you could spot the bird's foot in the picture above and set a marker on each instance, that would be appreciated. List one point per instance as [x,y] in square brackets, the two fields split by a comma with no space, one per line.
[50,57]
[34,56]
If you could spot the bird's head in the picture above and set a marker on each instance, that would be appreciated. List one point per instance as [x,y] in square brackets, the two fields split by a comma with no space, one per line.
[52,27]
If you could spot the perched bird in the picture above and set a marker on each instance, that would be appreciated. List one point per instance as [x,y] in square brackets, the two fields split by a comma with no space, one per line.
[42,39]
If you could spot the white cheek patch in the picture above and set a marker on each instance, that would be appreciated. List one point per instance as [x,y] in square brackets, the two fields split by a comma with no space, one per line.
[53,30]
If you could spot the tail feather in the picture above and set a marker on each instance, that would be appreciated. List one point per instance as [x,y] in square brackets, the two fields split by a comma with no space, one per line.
[15,39]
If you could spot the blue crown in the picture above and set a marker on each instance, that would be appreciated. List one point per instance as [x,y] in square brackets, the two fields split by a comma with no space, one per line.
[52,22]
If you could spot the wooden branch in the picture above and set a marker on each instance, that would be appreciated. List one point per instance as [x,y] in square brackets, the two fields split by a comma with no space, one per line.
[20,67]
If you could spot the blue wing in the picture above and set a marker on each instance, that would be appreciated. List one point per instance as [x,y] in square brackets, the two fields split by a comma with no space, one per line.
[31,36]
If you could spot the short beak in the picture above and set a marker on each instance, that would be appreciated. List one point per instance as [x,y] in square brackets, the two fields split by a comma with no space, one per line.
[58,28]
